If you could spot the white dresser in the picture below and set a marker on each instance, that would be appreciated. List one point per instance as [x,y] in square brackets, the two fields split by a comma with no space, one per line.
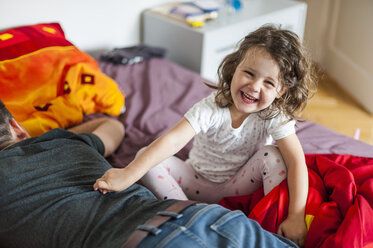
[202,49]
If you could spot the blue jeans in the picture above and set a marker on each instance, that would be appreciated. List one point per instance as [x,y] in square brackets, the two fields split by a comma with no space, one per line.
[205,225]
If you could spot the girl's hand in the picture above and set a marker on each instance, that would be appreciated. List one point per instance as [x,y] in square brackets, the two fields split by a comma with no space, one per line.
[294,228]
[165,146]
[114,180]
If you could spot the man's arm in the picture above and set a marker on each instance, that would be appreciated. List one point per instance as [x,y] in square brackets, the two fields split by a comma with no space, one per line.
[109,130]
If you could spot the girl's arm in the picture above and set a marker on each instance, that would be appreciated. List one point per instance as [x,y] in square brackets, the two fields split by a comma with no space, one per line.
[165,146]
[294,227]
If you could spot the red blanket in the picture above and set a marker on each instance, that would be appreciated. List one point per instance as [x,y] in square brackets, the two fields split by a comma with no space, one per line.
[339,206]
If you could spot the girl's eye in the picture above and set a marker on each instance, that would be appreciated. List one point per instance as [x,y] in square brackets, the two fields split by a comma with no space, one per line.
[270,83]
[249,73]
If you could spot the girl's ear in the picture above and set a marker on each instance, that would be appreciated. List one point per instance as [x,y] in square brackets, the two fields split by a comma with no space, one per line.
[281,92]
[18,132]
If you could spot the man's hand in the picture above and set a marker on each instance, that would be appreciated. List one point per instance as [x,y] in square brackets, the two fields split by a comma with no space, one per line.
[114,180]
[294,228]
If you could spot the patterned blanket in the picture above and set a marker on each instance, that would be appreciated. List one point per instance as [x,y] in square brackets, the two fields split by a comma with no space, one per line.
[47,82]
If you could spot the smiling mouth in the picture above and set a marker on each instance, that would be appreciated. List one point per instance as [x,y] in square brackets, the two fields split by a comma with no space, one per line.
[247,98]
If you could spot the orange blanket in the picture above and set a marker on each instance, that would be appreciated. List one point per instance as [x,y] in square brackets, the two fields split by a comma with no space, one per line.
[339,210]
[46,82]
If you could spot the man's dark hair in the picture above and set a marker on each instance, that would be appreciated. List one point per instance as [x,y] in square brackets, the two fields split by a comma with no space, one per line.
[5,117]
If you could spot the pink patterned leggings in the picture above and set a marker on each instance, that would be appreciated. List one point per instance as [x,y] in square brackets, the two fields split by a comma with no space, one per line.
[175,179]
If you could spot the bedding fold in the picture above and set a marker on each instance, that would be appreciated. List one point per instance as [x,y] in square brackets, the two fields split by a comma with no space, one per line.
[339,207]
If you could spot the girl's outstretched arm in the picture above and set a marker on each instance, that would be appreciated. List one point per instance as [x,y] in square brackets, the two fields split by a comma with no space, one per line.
[165,146]
[294,227]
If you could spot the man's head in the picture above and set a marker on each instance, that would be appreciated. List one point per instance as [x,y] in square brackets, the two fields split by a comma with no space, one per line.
[10,131]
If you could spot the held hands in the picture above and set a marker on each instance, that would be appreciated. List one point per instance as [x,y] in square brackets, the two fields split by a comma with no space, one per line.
[294,228]
[114,180]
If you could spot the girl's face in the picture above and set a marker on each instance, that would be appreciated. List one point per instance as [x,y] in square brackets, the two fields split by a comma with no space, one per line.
[255,83]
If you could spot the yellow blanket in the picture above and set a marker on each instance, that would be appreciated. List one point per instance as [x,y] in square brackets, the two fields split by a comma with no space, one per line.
[46,82]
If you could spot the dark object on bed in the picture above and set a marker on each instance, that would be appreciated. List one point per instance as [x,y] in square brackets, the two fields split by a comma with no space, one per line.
[132,55]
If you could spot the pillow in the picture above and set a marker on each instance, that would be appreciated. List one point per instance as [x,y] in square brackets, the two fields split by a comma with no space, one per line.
[46,82]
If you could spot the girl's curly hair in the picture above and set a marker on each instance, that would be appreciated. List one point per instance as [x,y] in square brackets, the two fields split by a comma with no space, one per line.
[297,72]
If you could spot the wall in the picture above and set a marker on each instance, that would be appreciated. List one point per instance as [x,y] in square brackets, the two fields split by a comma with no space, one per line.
[89,24]
[339,35]
[317,28]
[349,51]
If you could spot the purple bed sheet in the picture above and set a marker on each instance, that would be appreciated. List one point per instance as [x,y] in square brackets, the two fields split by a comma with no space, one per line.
[159,92]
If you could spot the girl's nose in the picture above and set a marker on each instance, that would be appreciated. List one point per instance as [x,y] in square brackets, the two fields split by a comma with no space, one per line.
[255,85]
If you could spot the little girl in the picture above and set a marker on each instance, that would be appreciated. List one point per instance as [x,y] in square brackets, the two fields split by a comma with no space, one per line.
[262,86]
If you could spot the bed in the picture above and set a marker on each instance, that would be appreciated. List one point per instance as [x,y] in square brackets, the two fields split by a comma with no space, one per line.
[157,93]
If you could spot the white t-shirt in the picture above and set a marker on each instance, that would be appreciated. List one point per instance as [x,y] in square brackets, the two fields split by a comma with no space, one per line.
[219,150]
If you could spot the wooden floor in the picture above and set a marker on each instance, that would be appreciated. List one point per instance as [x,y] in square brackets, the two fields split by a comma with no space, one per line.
[332,107]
